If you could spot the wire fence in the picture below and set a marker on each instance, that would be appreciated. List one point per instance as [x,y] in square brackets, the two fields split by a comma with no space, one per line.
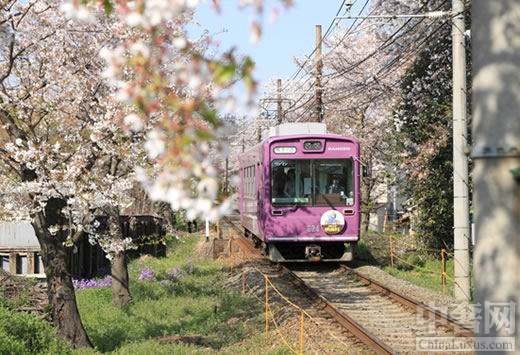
[398,247]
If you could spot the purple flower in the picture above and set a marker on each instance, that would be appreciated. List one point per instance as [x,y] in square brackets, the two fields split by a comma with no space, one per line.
[147,274]
[80,284]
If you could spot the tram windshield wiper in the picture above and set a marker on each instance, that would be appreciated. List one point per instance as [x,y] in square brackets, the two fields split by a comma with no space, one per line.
[326,199]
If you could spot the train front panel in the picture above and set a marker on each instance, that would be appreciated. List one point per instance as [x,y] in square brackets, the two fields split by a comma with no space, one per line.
[311,197]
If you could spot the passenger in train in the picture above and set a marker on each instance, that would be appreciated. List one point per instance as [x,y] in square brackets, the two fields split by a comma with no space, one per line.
[279,182]
[289,189]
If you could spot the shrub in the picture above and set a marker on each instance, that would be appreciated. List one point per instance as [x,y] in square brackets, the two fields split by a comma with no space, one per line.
[410,262]
[362,253]
[22,333]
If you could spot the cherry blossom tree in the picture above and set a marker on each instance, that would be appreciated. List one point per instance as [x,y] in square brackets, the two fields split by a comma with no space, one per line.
[62,146]
[423,122]
[70,121]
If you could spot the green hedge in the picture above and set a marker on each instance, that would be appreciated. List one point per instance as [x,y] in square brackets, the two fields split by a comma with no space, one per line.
[22,333]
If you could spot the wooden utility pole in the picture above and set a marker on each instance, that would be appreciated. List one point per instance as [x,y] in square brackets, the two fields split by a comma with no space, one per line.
[279,113]
[226,177]
[319,67]
[461,229]
[496,175]
[258,130]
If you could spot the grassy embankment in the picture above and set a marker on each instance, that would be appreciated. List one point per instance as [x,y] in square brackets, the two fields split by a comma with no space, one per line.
[418,267]
[426,274]
[175,297]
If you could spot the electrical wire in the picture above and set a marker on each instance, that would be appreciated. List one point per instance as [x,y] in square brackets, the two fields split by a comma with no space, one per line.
[382,73]
[292,108]
[409,55]
[316,48]
[382,46]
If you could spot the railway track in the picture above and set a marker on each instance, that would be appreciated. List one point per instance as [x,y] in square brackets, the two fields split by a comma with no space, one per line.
[390,318]
[380,319]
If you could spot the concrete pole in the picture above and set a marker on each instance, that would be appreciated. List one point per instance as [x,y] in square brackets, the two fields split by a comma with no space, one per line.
[279,113]
[460,160]
[319,67]
[496,156]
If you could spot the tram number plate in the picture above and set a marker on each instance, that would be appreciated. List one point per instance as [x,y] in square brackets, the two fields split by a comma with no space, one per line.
[313,228]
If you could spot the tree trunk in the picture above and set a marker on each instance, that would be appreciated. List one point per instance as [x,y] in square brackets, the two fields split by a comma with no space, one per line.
[365,221]
[119,268]
[366,204]
[164,210]
[62,299]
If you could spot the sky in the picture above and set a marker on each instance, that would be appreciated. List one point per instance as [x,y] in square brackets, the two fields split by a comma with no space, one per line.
[291,35]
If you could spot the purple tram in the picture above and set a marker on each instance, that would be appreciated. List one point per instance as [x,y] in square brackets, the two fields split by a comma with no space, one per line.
[299,193]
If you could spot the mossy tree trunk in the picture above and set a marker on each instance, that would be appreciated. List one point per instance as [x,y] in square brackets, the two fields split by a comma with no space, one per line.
[119,268]
[62,299]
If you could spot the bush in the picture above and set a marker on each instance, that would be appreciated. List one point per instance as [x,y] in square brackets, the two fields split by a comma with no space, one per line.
[410,262]
[362,253]
[22,333]
[21,297]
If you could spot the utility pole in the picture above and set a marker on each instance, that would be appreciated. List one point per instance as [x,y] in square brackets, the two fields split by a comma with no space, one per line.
[258,128]
[496,175]
[319,67]
[279,112]
[258,131]
[461,229]
[226,177]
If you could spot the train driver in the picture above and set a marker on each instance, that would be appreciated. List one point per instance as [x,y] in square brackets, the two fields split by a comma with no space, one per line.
[335,188]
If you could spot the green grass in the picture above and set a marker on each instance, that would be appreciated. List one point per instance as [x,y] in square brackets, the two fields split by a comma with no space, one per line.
[426,273]
[195,304]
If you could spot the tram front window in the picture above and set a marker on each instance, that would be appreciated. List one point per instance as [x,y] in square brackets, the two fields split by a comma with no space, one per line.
[289,182]
[335,178]
[312,182]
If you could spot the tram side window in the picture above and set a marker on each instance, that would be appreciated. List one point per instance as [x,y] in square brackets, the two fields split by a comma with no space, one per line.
[249,181]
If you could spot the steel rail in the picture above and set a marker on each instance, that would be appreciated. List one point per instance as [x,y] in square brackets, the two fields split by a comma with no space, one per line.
[346,321]
[240,240]
[440,317]
[366,337]
[370,340]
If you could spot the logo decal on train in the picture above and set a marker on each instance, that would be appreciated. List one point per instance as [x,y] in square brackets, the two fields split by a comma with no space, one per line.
[332,222]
